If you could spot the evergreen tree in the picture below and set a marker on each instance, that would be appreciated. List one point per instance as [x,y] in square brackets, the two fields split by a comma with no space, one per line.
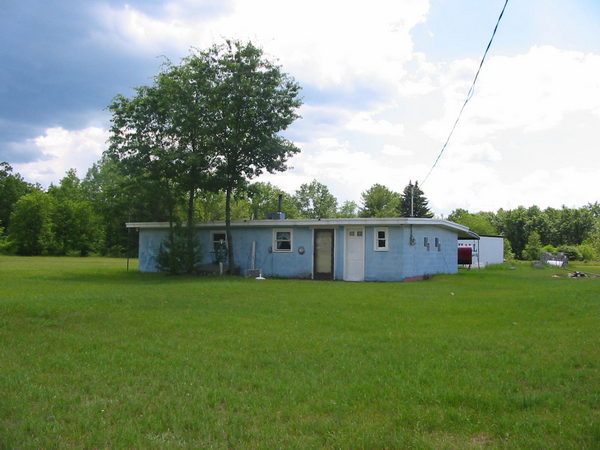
[413,202]
[178,254]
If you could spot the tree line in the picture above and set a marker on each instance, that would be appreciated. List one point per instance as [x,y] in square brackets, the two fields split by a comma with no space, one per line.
[86,216]
[530,231]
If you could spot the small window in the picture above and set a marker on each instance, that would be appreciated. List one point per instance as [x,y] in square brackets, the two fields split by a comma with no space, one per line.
[426,243]
[359,233]
[219,246]
[282,240]
[351,233]
[437,242]
[381,239]
[218,238]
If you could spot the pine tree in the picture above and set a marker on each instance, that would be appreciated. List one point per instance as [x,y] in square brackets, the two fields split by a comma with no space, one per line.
[413,202]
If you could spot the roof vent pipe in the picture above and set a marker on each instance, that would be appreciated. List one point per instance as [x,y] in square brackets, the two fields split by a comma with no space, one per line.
[279,199]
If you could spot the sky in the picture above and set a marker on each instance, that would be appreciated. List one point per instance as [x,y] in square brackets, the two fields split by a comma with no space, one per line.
[382,81]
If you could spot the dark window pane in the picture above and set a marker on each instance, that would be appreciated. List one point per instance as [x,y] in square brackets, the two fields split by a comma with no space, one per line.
[283,235]
[284,245]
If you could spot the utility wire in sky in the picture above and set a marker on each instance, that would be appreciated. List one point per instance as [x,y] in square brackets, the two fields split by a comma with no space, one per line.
[469,94]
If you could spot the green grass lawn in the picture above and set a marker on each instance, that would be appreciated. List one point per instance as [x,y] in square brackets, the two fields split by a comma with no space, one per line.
[94,356]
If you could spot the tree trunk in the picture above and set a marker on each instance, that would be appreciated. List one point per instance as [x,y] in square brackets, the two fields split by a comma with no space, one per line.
[230,261]
[190,251]
[171,231]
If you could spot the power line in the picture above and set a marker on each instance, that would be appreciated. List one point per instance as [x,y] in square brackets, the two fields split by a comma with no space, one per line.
[469,94]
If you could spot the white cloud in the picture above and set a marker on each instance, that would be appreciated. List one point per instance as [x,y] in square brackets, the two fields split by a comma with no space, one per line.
[533,91]
[481,188]
[363,122]
[63,150]
[532,121]
[394,150]
[346,172]
[324,43]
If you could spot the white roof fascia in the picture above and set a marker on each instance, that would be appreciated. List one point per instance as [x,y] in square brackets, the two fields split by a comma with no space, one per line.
[462,230]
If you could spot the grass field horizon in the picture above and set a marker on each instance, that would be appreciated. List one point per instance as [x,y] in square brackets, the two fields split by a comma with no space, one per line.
[94,356]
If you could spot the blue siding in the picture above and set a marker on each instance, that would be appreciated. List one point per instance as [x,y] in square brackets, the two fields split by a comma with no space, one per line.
[403,260]
[399,262]
[150,241]
[418,260]
[279,264]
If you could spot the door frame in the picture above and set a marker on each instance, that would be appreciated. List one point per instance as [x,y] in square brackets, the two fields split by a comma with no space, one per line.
[315,276]
[364,240]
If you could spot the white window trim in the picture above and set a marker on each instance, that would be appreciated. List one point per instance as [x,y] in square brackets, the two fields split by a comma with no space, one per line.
[212,235]
[212,239]
[376,239]
[279,230]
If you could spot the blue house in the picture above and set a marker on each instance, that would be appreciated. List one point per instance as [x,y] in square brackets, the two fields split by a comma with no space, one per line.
[373,249]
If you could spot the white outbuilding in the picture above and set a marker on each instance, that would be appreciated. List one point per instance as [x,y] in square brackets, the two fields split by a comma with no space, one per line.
[486,250]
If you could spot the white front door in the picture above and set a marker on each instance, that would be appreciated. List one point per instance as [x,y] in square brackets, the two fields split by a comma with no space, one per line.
[354,260]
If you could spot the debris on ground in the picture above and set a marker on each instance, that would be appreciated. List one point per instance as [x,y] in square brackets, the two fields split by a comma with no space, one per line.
[576,274]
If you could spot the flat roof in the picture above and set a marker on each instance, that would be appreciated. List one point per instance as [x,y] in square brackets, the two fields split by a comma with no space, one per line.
[462,230]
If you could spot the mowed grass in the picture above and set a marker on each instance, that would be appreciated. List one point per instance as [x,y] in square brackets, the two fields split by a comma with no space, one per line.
[94,356]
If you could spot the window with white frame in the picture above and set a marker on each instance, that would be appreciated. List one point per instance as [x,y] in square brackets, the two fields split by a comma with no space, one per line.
[218,238]
[282,240]
[381,239]
[426,243]
[219,245]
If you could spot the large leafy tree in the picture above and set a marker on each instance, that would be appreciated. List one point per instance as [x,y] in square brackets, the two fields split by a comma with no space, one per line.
[348,209]
[165,134]
[211,122]
[75,225]
[513,224]
[480,222]
[517,224]
[31,224]
[315,201]
[211,206]
[120,197]
[413,202]
[379,201]
[574,225]
[264,198]
[254,100]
